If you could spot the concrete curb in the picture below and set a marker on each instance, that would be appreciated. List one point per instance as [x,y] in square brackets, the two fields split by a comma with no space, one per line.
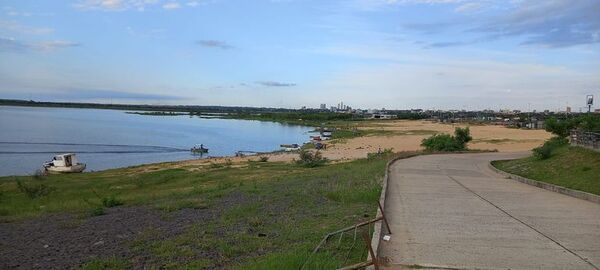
[562,190]
[377,235]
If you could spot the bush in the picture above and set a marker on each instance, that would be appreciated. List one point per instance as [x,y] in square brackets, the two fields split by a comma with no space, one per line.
[562,127]
[447,143]
[463,136]
[111,201]
[542,152]
[545,151]
[556,142]
[308,159]
[34,190]
[441,142]
[263,158]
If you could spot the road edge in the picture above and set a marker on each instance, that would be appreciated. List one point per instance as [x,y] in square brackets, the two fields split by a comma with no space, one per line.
[377,228]
[551,187]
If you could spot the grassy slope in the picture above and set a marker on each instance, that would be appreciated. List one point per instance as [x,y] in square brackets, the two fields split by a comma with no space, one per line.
[572,167]
[299,205]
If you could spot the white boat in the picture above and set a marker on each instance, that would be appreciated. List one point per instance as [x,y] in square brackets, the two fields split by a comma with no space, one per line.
[64,163]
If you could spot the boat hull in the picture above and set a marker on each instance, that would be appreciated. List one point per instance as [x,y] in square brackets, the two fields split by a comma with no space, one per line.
[71,169]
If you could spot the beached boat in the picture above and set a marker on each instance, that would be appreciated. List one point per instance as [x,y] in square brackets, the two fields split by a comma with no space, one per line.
[295,145]
[64,163]
[199,149]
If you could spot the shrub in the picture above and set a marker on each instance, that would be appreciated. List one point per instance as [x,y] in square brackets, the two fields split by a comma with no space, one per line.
[542,152]
[111,201]
[556,142]
[441,142]
[463,136]
[545,151]
[228,162]
[263,158]
[448,143]
[560,128]
[308,159]
[34,190]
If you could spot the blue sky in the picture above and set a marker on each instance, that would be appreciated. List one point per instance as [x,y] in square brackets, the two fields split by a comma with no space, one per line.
[449,54]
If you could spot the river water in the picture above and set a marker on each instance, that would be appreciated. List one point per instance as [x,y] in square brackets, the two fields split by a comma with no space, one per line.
[105,139]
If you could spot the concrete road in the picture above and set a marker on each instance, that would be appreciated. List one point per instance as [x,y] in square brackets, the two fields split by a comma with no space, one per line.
[453,212]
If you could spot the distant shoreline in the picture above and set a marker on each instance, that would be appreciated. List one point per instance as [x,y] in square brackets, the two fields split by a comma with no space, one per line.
[308,117]
[142,107]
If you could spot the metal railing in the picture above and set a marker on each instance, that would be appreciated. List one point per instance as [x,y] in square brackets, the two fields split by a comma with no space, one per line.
[372,258]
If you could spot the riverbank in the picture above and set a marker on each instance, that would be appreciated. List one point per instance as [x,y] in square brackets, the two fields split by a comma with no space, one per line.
[406,135]
[241,215]
[398,135]
[228,212]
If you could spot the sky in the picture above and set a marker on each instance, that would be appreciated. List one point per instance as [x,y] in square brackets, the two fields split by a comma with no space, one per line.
[395,54]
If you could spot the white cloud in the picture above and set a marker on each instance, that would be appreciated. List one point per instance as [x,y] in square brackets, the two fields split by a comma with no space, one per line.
[193,3]
[469,7]
[53,45]
[171,5]
[115,5]
[13,26]
[14,45]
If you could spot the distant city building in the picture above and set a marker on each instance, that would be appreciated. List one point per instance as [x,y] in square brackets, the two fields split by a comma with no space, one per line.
[568,109]
[323,106]
[343,108]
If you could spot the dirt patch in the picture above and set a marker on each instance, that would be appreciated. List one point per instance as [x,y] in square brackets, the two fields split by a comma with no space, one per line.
[64,241]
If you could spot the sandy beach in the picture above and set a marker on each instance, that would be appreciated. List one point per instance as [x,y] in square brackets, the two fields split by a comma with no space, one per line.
[401,135]
[407,136]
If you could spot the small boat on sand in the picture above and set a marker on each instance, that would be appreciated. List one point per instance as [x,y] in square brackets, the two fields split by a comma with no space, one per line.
[64,163]
[198,149]
[294,145]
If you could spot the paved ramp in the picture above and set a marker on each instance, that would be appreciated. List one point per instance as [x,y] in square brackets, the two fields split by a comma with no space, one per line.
[453,212]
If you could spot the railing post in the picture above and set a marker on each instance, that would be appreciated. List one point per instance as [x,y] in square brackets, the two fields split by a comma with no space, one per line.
[387,225]
[373,257]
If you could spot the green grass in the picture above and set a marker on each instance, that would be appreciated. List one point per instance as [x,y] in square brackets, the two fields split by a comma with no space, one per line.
[112,263]
[571,167]
[288,209]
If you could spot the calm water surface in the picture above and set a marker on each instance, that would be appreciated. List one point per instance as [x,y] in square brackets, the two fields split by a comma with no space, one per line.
[107,139]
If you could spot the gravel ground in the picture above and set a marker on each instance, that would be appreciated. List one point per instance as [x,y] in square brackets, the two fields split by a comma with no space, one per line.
[64,241]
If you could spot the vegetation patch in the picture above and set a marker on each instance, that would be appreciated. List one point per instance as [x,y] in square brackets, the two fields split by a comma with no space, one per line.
[311,159]
[112,263]
[448,143]
[571,167]
[253,217]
